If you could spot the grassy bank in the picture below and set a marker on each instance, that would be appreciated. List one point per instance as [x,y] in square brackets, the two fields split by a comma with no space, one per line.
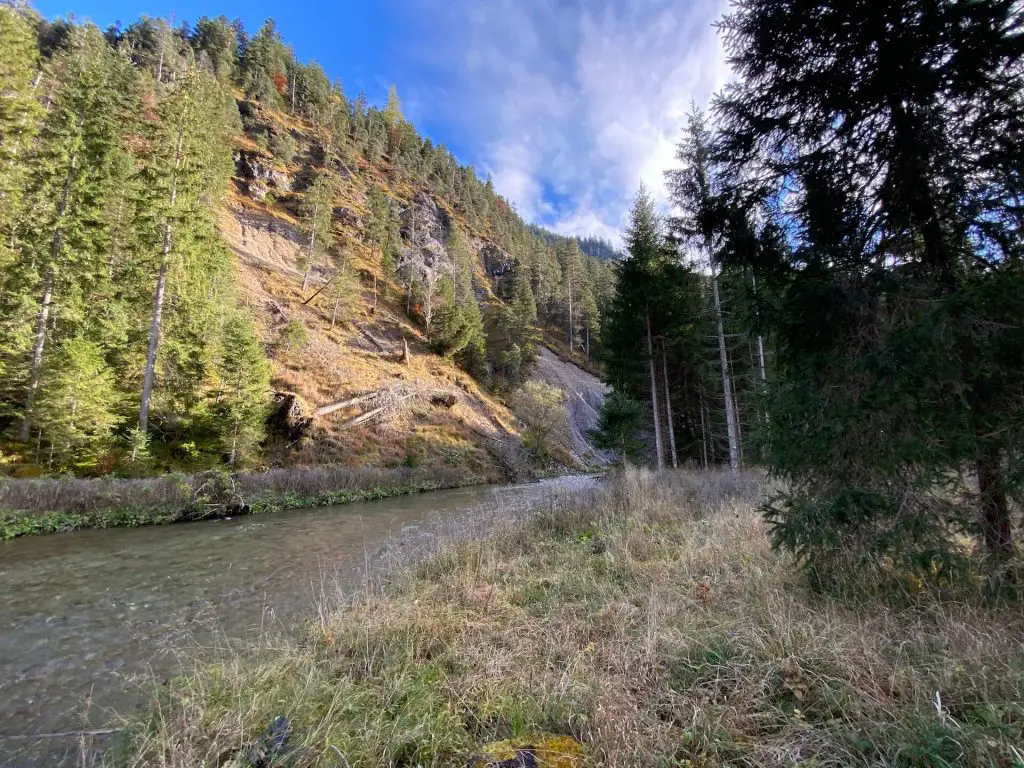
[51,505]
[649,621]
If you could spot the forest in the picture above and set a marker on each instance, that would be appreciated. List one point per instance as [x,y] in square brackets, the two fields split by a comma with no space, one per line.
[836,293]
[124,345]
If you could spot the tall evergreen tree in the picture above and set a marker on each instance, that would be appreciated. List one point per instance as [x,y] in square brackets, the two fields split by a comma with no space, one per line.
[187,172]
[72,182]
[317,215]
[893,127]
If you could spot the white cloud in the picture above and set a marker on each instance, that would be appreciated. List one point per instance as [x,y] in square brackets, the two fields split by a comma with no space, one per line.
[571,105]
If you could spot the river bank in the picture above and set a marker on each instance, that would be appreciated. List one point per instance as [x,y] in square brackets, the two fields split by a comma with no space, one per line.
[648,620]
[91,616]
[53,505]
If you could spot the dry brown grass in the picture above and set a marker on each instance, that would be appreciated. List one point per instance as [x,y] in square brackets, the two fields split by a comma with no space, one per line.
[651,621]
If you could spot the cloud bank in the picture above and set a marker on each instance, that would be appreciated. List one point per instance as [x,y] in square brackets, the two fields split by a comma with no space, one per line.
[569,105]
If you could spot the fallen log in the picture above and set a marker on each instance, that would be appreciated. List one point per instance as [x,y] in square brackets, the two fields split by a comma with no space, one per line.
[323,410]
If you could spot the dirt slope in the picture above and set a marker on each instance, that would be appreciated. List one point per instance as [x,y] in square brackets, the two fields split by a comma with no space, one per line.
[584,395]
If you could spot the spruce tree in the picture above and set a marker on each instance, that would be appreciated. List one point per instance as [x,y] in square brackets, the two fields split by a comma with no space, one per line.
[72,182]
[316,217]
[893,127]
[20,115]
[242,402]
[187,169]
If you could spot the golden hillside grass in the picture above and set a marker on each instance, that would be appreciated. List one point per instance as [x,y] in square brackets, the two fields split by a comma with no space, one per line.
[651,621]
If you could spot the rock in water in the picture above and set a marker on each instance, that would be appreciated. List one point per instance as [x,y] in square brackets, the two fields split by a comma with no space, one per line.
[271,744]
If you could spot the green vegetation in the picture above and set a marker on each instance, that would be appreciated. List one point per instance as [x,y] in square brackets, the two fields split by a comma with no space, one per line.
[116,149]
[651,621]
[30,507]
[838,292]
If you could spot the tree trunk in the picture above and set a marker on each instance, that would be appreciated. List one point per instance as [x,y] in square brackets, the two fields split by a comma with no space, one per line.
[995,512]
[312,247]
[158,298]
[36,366]
[154,335]
[703,430]
[334,313]
[730,405]
[37,353]
[668,412]
[654,397]
[569,334]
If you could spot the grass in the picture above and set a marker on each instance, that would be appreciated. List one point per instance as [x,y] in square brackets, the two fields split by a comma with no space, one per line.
[53,505]
[649,621]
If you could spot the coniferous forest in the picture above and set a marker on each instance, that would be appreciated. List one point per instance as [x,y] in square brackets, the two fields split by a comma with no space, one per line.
[780,424]
[124,345]
[836,292]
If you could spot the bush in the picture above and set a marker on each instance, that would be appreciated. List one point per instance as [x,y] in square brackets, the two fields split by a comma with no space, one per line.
[541,409]
[292,336]
[282,145]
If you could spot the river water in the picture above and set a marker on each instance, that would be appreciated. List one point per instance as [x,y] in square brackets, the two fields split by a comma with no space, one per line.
[89,619]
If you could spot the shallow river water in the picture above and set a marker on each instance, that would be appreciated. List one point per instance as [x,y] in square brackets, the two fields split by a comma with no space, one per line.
[89,619]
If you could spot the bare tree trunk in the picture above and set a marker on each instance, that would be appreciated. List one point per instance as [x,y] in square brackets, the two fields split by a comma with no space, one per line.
[587,336]
[703,430]
[158,298]
[654,397]
[730,405]
[995,512]
[309,253]
[760,350]
[334,313]
[668,412]
[568,275]
[37,354]
[36,365]
[154,336]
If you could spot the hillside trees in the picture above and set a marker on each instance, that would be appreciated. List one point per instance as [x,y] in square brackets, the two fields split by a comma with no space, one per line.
[20,114]
[187,171]
[897,320]
[316,218]
[71,181]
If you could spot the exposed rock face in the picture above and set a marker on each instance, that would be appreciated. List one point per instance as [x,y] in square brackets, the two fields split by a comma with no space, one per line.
[496,262]
[584,395]
[259,175]
[425,230]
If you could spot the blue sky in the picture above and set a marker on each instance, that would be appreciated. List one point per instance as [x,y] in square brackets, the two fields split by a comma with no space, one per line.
[568,104]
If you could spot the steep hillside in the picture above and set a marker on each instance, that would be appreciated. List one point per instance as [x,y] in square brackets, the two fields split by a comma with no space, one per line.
[428,409]
[213,257]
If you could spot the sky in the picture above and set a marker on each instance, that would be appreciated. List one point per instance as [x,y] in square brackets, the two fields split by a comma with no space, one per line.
[569,105]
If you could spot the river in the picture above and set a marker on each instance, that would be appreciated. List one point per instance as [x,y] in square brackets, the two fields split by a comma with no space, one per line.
[91,618]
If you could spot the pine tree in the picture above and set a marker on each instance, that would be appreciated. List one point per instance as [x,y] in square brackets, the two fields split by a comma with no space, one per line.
[78,405]
[900,210]
[187,172]
[242,404]
[263,66]
[317,216]
[72,181]
[20,115]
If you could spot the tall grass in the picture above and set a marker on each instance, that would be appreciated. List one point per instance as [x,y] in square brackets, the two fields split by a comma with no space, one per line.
[649,620]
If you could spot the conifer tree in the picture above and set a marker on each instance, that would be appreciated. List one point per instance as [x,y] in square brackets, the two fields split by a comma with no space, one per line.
[78,405]
[892,127]
[20,114]
[317,215]
[242,403]
[71,184]
[187,171]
